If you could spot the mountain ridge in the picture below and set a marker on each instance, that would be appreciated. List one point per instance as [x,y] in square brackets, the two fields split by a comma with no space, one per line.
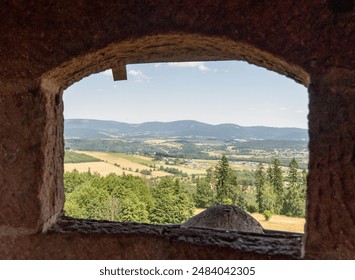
[101,129]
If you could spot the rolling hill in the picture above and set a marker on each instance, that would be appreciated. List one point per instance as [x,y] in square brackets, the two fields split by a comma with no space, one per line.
[98,129]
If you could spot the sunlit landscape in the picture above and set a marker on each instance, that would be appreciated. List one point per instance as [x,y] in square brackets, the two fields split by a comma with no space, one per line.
[165,171]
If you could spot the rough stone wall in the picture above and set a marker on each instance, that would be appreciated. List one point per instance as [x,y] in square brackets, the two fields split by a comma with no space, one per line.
[88,239]
[331,182]
[305,33]
[31,161]
[47,45]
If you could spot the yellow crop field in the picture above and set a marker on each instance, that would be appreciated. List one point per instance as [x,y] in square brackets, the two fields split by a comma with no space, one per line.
[107,166]
[114,158]
[277,222]
[283,223]
[216,153]
[187,170]
[165,143]
[132,162]
[100,167]
[119,163]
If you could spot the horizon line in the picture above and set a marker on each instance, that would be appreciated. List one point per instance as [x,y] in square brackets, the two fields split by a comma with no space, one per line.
[180,120]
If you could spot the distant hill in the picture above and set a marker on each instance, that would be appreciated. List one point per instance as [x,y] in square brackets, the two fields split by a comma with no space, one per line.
[97,129]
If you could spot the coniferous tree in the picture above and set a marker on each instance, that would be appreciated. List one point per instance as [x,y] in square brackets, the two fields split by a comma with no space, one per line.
[304,183]
[228,191]
[223,182]
[293,172]
[265,195]
[88,202]
[238,195]
[276,182]
[294,202]
[126,206]
[74,179]
[209,175]
[173,204]
[269,174]
[259,185]
[268,201]
[204,194]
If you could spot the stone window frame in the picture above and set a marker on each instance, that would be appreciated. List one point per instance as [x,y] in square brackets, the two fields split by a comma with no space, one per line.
[170,48]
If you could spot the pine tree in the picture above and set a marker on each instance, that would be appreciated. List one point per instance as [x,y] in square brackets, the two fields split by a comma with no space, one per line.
[293,173]
[88,202]
[304,183]
[173,204]
[259,185]
[294,202]
[265,195]
[268,201]
[228,191]
[204,195]
[223,184]
[274,176]
[238,194]
[126,206]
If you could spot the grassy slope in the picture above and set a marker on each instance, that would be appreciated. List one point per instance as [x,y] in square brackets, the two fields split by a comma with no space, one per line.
[135,158]
[283,223]
[115,163]
[74,157]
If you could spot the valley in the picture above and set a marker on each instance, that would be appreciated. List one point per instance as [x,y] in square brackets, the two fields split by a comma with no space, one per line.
[190,158]
[190,140]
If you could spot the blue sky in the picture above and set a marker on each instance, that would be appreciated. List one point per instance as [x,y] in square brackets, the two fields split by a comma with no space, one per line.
[210,92]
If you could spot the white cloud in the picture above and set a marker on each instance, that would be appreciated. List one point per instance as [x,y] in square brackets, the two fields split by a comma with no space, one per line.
[268,110]
[202,68]
[199,65]
[299,111]
[107,72]
[139,76]
[283,109]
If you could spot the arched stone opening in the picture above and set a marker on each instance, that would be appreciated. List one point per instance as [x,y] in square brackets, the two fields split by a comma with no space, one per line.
[170,48]
[160,48]
[164,48]
[315,35]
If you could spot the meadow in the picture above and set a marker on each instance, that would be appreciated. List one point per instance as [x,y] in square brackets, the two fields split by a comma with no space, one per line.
[107,162]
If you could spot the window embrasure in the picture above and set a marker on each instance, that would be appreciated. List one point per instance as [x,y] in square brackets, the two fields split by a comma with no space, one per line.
[179,148]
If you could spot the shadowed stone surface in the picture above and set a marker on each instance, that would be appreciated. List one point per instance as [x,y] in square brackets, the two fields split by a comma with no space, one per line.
[90,239]
[227,217]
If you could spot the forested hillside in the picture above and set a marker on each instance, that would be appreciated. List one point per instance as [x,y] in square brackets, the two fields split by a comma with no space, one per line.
[173,199]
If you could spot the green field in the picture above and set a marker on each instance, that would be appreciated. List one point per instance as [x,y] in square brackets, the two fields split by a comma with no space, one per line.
[75,157]
[131,164]
[197,149]
[105,163]
[135,158]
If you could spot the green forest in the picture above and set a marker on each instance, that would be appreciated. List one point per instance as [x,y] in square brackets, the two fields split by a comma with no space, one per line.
[173,199]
